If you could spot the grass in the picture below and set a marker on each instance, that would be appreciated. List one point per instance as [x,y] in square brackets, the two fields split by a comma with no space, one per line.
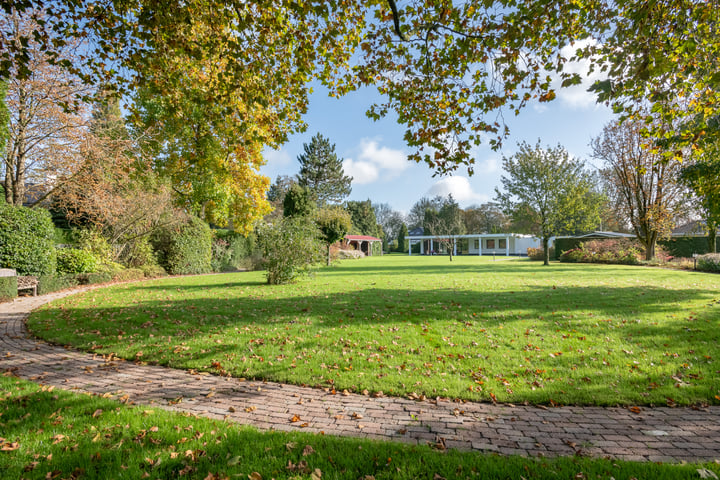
[474,329]
[48,434]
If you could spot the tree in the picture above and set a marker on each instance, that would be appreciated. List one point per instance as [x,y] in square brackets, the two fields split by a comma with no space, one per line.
[642,184]
[290,248]
[416,217]
[47,121]
[298,202]
[276,193]
[334,223]
[448,70]
[401,238]
[446,223]
[703,178]
[486,218]
[389,220]
[548,191]
[321,171]
[363,218]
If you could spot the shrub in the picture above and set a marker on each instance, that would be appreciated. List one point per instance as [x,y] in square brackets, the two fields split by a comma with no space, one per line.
[94,278]
[710,262]
[291,247]
[138,253]
[231,251]
[152,271]
[93,241]
[129,274]
[53,283]
[74,260]
[8,288]
[184,248]
[538,253]
[617,251]
[27,240]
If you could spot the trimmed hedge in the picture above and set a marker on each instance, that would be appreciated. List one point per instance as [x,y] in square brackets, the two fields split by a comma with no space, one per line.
[8,288]
[94,278]
[565,245]
[686,246]
[185,248]
[54,283]
[27,240]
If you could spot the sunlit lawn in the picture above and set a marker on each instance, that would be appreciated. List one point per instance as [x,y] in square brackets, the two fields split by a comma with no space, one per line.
[471,329]
[53,434]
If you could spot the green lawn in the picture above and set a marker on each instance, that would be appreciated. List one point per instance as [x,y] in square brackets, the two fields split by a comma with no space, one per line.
[471,329]
[53,434]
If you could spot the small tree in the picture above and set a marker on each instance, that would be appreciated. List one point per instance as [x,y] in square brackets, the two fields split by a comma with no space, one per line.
[703,178]
[334,223]
[290,248]
[549,192]
[363,217]
[321,171]
[402,244]
[446,223]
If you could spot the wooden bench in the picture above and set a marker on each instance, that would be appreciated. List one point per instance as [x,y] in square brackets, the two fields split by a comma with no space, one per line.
[28,283]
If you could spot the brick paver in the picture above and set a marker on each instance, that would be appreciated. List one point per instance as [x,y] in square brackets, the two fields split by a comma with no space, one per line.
[653,434]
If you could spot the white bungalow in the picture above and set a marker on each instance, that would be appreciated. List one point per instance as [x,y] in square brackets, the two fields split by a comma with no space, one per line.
[478,243]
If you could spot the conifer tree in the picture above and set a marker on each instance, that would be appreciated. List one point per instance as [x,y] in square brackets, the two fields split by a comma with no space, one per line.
[321,171]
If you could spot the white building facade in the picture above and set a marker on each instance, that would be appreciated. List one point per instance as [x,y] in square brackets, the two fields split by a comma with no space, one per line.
[477,244]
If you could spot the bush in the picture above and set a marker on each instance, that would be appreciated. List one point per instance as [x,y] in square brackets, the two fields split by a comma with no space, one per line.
[291,247]
[153,271]
[74,260]
[53,283]
[129,274]
[138,253]
[538,253]
[27,240]
[710,262]
[231,251]
[94,278]
[8,288]
[616,251]
[93,241]
[184,248]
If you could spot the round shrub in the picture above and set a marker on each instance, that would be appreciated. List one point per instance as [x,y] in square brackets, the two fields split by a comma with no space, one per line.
[184,248]
[75,260]
[27,240]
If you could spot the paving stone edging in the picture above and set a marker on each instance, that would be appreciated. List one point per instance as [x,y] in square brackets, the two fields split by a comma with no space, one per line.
[654,434]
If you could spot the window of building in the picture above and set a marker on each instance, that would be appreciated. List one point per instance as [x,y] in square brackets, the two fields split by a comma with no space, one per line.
[490,243]
[502,243]
[477,244]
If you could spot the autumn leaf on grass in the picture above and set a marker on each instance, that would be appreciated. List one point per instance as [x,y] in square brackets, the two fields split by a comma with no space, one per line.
[308,450]
[9,446]
[97,413]
[316,474]
[255,476]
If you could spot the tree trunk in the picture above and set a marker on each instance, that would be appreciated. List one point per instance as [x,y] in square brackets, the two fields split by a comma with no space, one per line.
[712,245]
[650,249]
[546,250]
[328,256]
[451,247]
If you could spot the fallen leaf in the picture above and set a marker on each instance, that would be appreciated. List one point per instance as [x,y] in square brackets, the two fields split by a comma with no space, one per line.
[295,418]
[233,461]
[308,450]
[635,409]
[705,473]
[255,476]
[356,416]
[9,446]
[250,409]
[316,474]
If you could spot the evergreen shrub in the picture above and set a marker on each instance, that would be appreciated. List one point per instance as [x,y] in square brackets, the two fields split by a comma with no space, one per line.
[75,260]
[290,247]
[53,283]
[231,251]
[184,248]
[27,240]
[8,288]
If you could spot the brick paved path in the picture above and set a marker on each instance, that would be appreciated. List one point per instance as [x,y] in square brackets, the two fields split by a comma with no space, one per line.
[657,434]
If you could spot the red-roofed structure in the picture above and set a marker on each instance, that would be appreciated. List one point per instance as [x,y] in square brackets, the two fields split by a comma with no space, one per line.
[361,242]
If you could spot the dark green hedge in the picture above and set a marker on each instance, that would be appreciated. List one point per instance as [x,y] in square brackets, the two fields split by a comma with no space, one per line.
[565,244]
[185,248]
[686,246]
[54,283]
[94,278]
[8,288]
[232,251]
[27,240]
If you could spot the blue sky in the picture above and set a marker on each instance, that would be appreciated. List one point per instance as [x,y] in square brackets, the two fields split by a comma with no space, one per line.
[375,154]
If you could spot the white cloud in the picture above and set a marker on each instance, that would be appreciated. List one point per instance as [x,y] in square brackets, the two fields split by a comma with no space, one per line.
[276,158]
[578,96]
[375,162]
[460,189]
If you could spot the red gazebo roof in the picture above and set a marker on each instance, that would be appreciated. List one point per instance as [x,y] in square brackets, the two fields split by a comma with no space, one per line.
[362,237]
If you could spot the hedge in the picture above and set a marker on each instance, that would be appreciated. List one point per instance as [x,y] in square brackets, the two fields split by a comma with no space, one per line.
[27,240]
[185,248]
[8,288]
[686,246]
[53,283]
[710,262]
[231,250]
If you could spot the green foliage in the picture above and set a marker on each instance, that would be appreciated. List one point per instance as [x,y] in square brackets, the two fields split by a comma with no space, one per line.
[27,240]
[93,241]
[321,171]
[291,247]
[8,288]
[401,242]
[94,278]
[138,252]
[687,246]
[54,283]
[621,251]
[710,262]
[703,178]
[184,248]
[549,192]
[539,254]
[129,274]
[64,236]
[333,224]
[363,218]
[75,260]
[231,250]
[298,202]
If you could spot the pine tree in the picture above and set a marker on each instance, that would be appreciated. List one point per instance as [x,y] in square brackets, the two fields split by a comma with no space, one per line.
[322,173]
